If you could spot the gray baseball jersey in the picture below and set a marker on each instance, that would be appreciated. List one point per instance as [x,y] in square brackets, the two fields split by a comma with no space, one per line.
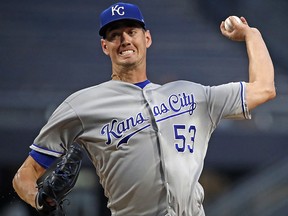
[148,145]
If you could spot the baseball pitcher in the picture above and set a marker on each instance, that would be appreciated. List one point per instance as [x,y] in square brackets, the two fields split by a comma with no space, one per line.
[147,141]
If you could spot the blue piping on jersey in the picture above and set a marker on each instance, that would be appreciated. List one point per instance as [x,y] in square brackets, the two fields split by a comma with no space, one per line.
[243,100]
[60,153]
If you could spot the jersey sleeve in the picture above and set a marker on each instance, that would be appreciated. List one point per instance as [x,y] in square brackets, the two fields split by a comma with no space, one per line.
[61,130]
[227,101]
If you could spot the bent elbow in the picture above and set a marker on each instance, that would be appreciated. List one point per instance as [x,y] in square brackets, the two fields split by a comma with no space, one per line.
[259,94]
[271,93]
[15,182]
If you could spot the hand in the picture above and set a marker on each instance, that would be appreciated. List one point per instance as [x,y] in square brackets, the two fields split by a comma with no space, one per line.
[239,32]
[46,206]
[57,181]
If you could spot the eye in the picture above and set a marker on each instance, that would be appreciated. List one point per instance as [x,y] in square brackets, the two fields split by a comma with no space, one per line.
[113,36]
[132,32]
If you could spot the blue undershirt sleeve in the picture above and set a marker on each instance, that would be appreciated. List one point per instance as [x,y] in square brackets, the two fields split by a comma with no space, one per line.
[43,159]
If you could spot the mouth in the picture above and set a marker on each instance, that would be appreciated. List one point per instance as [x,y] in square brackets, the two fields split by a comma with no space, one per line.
[126,52]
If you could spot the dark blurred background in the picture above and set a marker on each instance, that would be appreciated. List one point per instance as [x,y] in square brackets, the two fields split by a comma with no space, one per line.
[50,49]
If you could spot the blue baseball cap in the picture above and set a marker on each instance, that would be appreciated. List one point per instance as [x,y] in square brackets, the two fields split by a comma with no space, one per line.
[120,11]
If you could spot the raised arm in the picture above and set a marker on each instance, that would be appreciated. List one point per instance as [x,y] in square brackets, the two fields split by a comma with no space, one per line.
[24,181]
[260,87]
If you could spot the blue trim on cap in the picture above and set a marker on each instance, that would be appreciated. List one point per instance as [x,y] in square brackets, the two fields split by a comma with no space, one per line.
[43,159]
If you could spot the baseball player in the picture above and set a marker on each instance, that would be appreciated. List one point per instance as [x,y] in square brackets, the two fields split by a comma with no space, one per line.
[147,141]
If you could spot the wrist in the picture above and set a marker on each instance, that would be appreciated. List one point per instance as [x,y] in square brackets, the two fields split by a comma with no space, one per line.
[252,33]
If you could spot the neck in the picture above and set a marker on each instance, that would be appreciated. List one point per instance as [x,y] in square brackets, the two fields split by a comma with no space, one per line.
[131,75]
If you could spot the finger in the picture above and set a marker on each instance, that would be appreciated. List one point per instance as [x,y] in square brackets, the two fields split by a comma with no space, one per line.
[222,27]
[235,20]
[244,20]
[224,31]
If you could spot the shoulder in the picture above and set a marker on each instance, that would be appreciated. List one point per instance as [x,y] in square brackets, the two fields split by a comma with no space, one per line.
[183,84]
[108,89]
[204,90]
[92,91]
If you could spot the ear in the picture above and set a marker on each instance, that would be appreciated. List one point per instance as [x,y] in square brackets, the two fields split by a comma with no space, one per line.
[148,38]
[104,47]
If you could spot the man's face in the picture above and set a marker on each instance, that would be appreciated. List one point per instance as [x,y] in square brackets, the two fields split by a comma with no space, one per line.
[126,43]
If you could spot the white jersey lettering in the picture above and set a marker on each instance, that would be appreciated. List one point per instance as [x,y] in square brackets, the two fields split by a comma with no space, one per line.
[116,129]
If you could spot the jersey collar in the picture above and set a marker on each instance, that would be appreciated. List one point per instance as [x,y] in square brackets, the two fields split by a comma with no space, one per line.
[142,84]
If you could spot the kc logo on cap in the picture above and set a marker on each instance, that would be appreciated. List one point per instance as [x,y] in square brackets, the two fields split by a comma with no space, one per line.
[118,9]
[117,12]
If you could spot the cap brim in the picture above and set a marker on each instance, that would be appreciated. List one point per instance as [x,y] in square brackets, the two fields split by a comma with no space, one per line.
[104,28]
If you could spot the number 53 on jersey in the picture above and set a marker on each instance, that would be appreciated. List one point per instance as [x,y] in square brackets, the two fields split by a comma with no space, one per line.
[184,137]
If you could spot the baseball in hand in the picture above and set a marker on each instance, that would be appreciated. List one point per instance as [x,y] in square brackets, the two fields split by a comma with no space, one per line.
[228,24]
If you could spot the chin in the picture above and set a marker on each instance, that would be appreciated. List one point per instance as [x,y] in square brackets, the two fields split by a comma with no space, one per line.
[128,63]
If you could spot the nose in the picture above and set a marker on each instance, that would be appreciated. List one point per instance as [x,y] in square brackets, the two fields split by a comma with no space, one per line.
[125,39]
